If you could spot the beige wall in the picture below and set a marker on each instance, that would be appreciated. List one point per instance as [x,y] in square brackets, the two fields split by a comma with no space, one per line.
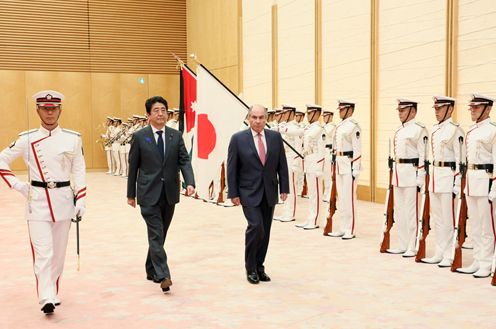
[412,66]
[89,98]
[346,65]
[213,34]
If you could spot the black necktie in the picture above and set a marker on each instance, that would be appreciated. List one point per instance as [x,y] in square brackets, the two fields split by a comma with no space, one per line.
[160,144]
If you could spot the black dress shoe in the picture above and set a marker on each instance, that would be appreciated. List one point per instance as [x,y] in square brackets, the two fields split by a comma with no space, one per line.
[48,308]
[252,277]
[262,276]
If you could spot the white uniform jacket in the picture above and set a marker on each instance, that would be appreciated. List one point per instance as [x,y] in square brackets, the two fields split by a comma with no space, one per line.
[293,133]
[347,139]
[481,149]
[313,149]
[329,136]
[445,148]
[409,144]
[51,156]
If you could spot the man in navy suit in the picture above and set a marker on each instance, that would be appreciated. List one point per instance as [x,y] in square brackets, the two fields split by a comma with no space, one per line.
[256,167]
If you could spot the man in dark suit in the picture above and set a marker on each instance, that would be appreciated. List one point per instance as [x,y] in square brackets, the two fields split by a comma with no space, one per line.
[255,160]
[157,155]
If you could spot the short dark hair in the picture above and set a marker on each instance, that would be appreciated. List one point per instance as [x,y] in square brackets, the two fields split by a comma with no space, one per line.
[152,100]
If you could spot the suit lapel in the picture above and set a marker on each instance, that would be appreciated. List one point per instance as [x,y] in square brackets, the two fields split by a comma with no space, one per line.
[167,141]
[268,140]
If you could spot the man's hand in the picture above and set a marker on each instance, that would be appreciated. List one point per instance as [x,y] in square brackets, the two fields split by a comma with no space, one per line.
[80,208]
[236,201]
[22,188]
[284,196]
[190,190]
[131,202]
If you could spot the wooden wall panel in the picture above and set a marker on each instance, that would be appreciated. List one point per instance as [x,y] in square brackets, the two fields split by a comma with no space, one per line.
[89,98]
[166,86]
[13,111]
[212,34]
[129,36]
[105,101]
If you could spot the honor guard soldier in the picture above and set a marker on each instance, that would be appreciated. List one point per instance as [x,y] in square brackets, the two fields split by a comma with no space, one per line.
[174,119]
[292,133]
[480,185]
[299,175]
[445,179]
[116,145]
[329,127]
[410,141]
[313,149]
[107,145]
[52,155]
[348,151]
[270,118]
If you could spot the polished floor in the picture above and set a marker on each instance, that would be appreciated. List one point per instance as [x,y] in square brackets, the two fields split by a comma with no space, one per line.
[317,281]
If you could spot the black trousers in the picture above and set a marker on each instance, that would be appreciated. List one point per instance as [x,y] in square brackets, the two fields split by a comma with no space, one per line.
[157,218]
[257,234]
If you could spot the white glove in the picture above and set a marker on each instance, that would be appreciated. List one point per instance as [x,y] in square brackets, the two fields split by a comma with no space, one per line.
[420,179]
[492,195]
[457,189]
[80,208]
[355,173]
[22,188]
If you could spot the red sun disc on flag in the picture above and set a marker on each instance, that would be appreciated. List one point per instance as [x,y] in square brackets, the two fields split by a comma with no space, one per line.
[206,136]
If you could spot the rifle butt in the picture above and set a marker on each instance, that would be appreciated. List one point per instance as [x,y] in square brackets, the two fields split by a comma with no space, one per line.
[493,281]
[328,227]
[385,243]
[421,251]
[457,260]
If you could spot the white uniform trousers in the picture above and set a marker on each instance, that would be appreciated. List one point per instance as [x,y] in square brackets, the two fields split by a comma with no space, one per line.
[481,214]
[314,187]
[49,244]
[108,153]
[346,200]
[123,158]
[289,206]
[299,181]
[115,156]
[406,212]
[327,177]
[443,208]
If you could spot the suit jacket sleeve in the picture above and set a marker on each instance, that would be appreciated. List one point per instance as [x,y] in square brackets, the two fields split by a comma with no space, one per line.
[184,163]
[232,170]
[282,169]
[134,163]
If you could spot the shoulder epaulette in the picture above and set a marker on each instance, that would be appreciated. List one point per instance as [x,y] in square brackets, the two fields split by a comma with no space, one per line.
[71,132]
[455,124]
[354,121]
[28,132]
[493,123]
[420,124]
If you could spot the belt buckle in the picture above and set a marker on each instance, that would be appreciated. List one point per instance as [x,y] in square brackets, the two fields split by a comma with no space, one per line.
[51,185]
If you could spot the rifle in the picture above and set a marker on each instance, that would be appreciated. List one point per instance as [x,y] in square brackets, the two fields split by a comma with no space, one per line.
[388,208]
[333,199]
[460,234]
[423,224]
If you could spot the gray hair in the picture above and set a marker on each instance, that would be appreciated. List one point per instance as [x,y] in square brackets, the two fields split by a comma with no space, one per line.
[255,106]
